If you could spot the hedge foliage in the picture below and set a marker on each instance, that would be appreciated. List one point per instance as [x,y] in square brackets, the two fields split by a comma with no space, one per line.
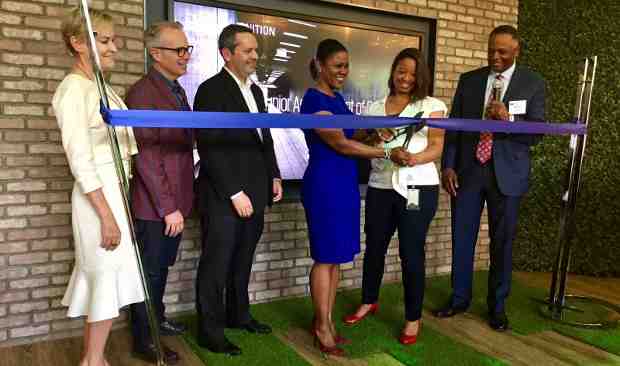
[556,35]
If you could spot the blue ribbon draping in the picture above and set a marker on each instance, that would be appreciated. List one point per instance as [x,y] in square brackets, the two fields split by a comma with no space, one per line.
[182,119]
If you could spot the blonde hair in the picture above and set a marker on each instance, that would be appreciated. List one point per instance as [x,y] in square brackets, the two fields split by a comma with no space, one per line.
[74,24]
[153,33]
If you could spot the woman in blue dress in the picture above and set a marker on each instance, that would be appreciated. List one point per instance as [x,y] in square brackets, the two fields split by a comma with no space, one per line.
[330,193]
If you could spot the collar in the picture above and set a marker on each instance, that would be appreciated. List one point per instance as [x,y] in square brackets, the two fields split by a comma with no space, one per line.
[506,74]
[173,85]
[248,81]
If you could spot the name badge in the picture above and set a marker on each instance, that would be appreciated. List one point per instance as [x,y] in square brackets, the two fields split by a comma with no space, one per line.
[517,107]
[413,198]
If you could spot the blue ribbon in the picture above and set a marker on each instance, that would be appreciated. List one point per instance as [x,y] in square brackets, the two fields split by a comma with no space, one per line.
[182,119]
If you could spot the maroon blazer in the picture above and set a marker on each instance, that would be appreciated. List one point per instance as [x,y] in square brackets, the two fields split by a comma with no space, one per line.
[164,167]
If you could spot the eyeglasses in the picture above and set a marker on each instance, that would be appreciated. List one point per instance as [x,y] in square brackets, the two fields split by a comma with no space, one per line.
[181,51]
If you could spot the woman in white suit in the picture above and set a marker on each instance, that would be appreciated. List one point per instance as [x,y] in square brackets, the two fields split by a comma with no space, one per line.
[105,277]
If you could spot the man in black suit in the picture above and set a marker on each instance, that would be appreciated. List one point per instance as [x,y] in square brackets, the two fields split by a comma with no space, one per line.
[492,168]
[239,177]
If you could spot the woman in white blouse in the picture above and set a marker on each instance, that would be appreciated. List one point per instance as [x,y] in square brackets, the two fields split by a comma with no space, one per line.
[402,198]
[105,277]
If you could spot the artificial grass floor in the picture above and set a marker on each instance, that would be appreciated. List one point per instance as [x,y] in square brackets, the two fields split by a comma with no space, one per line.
[257,350]
[374,340]
[522,310]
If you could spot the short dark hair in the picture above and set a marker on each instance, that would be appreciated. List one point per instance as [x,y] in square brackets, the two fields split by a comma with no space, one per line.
[422,85]
[229,35]
[324,50]
[506,29]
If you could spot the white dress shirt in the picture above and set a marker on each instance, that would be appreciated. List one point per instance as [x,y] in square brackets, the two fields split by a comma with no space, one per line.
[246,91]
[506,77]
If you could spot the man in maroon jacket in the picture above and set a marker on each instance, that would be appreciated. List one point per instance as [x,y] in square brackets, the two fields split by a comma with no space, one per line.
[162,187]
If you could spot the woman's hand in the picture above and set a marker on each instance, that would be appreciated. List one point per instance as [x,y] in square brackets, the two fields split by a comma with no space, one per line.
[400,156]
[110,233]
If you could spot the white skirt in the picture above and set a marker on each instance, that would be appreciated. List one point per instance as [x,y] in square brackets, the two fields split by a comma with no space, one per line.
[102,281]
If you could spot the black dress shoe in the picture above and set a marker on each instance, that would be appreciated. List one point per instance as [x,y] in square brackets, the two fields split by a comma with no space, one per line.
[171,328]
[148,353]
[498,321]
[254,326]
[221,346]
[449,311]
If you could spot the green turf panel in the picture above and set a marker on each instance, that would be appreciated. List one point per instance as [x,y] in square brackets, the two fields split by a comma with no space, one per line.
[523,311]
[258,350]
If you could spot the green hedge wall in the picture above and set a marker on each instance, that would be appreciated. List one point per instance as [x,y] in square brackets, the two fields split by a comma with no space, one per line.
[556,34]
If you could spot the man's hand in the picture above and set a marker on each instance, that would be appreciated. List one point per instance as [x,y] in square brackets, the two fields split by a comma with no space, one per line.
[277,189]
[497,110]
[174,223]
[449,181]
[243,205]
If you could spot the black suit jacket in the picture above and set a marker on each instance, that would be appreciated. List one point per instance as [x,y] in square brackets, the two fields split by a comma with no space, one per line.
[511,152]
[233,160]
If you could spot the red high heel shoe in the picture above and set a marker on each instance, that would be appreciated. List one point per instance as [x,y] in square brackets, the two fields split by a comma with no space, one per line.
[338,338]
[410,339]
[354,319]
[328,351]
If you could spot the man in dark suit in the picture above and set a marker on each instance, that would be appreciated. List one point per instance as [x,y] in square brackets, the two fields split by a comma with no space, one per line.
[491,168]
[162,187]
[238,178]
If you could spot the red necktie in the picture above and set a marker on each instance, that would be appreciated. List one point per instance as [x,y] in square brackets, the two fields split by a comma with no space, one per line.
[485,144]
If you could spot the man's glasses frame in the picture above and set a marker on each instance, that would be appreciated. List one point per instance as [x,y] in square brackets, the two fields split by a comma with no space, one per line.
[181,51]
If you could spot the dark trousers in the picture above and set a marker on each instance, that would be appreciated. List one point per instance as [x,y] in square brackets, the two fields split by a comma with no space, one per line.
[466,211]
[228,246]
[385,213]
[158,253]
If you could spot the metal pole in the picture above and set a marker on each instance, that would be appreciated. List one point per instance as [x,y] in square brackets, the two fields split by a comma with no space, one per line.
[567,222]
[557,307]
[123,185]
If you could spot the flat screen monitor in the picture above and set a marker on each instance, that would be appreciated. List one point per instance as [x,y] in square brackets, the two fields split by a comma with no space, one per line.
[286,46]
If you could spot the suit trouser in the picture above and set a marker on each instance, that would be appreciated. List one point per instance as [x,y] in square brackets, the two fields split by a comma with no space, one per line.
[158,253]
[385,212]
[228,246]
[502,211]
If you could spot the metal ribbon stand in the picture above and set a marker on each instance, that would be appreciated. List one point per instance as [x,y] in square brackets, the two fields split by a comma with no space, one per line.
[564,308]
[124,185]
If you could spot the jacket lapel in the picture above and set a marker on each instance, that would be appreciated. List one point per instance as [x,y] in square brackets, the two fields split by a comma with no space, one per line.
[258,97]
[163,89]
[479,91]
[513,86]
[260,104]
[235,92]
